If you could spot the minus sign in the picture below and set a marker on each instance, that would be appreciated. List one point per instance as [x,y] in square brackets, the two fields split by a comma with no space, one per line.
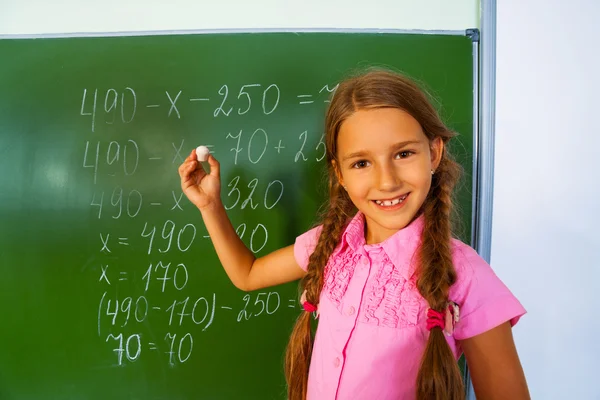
[199,99]
[156,308]
[155,204]
[155,158]
[153,105]
[227,308]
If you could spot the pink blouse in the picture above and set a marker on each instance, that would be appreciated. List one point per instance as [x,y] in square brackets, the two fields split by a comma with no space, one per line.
[371,332]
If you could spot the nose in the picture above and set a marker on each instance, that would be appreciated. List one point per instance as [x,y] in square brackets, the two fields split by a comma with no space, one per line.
[388,177]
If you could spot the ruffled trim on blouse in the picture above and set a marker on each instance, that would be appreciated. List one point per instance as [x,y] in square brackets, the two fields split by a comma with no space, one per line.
[338,273]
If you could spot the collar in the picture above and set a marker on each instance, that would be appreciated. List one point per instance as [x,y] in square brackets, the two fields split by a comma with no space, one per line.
[400,247]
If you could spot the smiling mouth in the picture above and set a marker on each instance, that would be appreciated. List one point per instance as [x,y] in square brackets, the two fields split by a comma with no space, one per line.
[392,202]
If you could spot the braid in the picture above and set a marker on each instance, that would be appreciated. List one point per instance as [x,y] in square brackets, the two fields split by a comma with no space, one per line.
[297,359]
[439,377]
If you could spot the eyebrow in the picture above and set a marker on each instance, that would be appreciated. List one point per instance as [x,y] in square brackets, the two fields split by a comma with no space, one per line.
[395,147]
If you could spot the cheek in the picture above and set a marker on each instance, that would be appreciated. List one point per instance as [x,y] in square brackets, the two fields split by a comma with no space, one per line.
[417,173]
[420,179]
[357,185]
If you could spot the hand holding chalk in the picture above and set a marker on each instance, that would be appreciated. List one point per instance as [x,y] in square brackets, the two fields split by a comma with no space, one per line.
[202,152]
[202,188]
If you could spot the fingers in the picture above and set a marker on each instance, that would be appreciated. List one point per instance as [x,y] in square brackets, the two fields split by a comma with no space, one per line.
[215,166]
[188,169]
[185,166]
[191,165]
[185,170]
[192,156]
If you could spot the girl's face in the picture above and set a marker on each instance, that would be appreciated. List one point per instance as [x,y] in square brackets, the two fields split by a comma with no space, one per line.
[385,160]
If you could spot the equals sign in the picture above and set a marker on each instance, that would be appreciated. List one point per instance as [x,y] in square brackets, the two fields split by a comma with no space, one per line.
[123,273]
[152,346]
[210,147]
[124,241]
[305,96]
[291,303]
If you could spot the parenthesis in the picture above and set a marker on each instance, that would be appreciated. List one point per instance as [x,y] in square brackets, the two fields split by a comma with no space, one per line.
[99,311]
[212,316]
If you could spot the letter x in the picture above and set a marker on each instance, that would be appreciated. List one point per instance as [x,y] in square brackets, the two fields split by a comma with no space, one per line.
[178,152]
[173,104]
[104,268]
[177,200]
[105,242]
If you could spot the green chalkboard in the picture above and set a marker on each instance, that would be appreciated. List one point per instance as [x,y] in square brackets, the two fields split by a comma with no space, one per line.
[109,287]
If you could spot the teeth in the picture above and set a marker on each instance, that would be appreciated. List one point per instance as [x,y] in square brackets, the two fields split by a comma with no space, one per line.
[389,203]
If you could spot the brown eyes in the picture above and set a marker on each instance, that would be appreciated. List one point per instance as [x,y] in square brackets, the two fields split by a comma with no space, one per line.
[399,156]
[405,153]
[360,164]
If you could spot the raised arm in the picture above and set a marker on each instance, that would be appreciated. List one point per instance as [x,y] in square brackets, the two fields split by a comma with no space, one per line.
[245,271]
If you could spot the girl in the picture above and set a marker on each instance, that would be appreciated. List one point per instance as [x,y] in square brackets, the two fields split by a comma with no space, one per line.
[398,299]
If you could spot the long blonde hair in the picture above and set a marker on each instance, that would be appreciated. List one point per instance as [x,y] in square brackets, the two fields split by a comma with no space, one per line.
[439,377]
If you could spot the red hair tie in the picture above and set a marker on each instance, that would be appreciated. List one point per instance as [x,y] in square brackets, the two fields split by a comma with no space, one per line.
[445,320]
[435,319]
[308,307]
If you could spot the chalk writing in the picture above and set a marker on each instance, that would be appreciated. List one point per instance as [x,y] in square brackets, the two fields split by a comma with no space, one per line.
[144,237]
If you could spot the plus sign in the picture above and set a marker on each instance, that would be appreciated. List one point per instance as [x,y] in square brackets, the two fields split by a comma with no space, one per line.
[279,147]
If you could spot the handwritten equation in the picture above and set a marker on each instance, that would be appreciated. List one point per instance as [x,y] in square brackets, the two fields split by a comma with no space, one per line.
[162,284]
[113,107]
[199,311]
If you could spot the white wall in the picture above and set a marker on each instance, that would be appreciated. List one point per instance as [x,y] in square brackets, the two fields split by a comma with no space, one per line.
[43,16]
[545,240]
[547,141]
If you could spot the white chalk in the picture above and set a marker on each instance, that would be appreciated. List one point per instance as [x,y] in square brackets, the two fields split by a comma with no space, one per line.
[202,152]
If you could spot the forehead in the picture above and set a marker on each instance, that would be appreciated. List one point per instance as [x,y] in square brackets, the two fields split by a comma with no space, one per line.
[380,127]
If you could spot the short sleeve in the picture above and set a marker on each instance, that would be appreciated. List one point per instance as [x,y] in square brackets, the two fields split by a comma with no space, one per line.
[484,300]
[305,245]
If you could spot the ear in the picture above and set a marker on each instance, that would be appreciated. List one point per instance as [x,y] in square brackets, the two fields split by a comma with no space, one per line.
[437,151]
[338,173]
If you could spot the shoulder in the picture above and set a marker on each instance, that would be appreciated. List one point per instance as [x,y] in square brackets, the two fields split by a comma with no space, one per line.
[467,262]
[485,301]
[472,271]
[305,245]
[470,267]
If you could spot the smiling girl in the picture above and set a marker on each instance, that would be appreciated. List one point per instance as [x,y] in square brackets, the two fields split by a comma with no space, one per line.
[397,297]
